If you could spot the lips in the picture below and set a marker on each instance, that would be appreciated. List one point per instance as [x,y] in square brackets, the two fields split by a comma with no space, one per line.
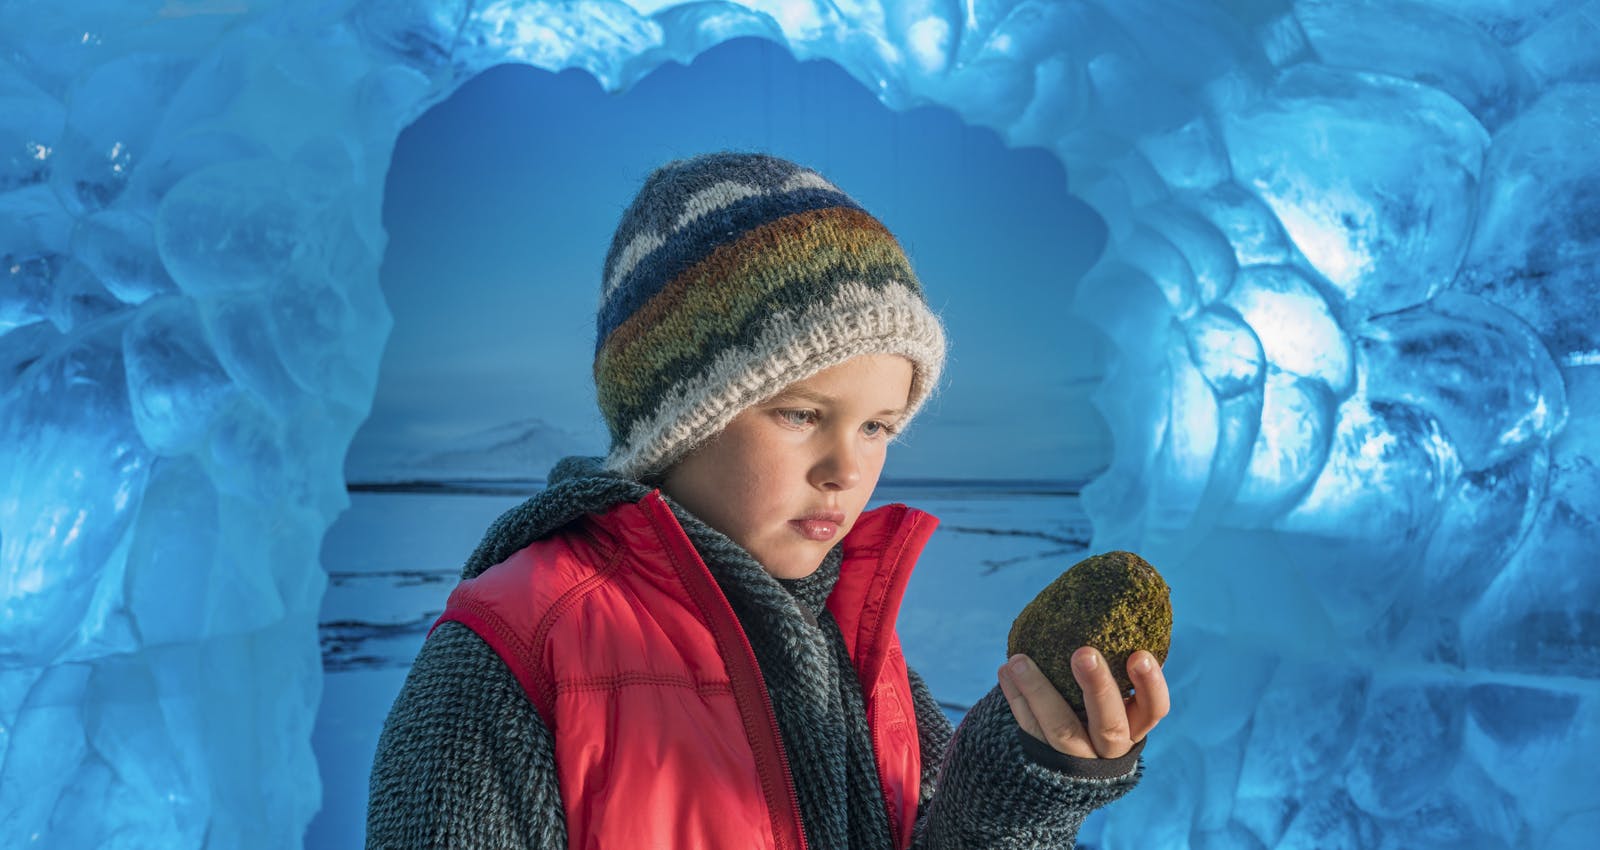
[822,525]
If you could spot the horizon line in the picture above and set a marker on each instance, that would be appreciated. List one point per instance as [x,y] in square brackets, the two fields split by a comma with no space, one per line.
[506,486]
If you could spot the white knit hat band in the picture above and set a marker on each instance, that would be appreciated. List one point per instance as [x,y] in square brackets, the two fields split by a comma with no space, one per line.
[860,320]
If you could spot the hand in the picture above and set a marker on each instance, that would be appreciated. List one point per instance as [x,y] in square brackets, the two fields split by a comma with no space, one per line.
[1115,724]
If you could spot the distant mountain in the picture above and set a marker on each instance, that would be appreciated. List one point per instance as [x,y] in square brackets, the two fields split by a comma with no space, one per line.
[520,450]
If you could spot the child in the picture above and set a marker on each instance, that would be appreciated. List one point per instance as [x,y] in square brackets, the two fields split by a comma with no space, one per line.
[690,644]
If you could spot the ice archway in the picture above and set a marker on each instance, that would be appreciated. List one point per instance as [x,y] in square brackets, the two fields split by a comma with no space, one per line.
[1352,279]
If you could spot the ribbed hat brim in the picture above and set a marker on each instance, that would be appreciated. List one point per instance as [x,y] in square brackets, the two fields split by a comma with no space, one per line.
[789,347]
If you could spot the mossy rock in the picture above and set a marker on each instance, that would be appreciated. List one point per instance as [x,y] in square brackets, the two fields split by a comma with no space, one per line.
[1115,602]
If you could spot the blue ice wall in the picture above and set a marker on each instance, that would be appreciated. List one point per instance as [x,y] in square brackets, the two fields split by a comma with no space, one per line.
[1352,283]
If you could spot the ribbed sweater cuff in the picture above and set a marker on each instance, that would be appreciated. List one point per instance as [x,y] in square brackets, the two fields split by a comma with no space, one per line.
[991,794]
[1044,755]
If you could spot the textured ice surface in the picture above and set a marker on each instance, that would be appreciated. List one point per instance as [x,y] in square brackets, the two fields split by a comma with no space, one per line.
[1536,248]
[1291,446]
[1226,352]
[1387,231]
[1388,470]
[1478,369]
[1410,738]
[1351,278]
[1296,326]
[1450,54]
[75,470]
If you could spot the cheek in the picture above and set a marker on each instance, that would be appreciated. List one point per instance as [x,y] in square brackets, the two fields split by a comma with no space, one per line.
[746,480]
[872,462]
[877,459]
[872,470]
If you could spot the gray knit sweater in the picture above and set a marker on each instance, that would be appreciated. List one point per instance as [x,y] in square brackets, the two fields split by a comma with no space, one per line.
[464,760]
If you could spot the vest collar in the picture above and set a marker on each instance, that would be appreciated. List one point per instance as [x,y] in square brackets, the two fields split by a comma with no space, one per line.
[879,554]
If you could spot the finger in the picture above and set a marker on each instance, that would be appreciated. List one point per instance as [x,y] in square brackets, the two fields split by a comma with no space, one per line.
[1151,701]
[1102,701]
[1019,704]
[1058,724]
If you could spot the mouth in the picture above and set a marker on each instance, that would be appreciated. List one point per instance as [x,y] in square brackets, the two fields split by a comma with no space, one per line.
[821,526]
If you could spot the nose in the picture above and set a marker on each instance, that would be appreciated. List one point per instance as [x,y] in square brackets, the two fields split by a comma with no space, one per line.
[839,467]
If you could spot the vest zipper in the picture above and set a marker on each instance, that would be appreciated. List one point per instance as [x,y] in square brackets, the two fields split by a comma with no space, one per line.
[783,759]
[744,671]
[888,803]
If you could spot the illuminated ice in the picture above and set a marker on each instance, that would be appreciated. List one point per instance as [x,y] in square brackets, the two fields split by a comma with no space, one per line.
[1189,157]
[1204,247]
[74,470]
[1450,54]
[1190,440]
[1256,236]
[1484,519]
[1166,267]
[1474,366]
[1297,422]
[1227,352]
[1539,616]
[1536,250]
[1387,472]
[1350,284]
[1298,331]
[1372,177]
[1405,356]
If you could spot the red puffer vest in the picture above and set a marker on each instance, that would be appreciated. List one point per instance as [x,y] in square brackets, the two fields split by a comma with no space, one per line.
[630,652]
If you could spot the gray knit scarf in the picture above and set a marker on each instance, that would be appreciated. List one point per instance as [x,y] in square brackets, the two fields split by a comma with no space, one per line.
[814,688]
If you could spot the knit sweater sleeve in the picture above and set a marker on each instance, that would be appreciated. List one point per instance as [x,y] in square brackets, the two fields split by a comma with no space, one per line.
[464,760]
[991,792]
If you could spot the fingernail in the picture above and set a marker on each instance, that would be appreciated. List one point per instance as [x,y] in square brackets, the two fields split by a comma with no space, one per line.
[1088,660]
[1144,664]
[1019,664]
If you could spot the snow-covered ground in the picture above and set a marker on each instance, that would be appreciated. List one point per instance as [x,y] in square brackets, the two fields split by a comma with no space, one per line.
[393,557]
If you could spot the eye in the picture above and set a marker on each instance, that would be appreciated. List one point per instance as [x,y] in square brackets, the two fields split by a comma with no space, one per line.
[878,428]
[797,418]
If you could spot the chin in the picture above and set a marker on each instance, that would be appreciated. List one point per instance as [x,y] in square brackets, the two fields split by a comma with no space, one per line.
[794,569]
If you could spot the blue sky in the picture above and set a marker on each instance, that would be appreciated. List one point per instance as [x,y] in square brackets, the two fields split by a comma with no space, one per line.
[501,201]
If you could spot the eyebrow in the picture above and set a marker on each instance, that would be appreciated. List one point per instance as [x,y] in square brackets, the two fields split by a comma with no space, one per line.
[795,394]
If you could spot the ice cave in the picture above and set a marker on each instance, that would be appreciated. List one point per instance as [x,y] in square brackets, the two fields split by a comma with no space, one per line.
[1351,279]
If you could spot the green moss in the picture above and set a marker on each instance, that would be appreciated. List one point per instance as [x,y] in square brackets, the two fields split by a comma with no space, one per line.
[1115,602]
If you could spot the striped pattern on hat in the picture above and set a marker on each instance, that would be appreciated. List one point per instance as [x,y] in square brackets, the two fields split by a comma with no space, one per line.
[730,277]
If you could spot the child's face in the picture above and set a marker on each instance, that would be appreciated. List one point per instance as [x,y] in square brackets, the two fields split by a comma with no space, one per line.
[815,448]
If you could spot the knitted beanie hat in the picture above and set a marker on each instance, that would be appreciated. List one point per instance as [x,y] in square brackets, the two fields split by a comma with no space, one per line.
[730,277]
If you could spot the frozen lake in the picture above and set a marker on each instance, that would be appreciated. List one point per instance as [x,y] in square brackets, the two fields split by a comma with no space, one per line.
[394,556]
